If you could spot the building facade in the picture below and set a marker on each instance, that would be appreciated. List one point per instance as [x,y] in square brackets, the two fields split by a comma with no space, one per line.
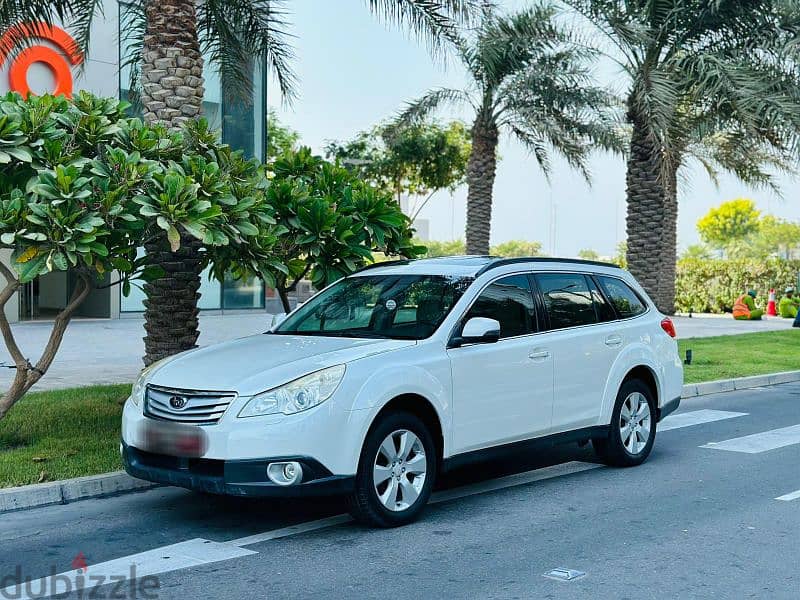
[103,71]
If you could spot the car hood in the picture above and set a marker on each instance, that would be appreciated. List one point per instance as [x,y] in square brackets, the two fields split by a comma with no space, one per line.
[257,363]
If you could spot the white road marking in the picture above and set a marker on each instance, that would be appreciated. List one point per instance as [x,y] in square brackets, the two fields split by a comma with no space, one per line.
[789,497]
[760,442]
[291,530]
[191,553]
[696,417]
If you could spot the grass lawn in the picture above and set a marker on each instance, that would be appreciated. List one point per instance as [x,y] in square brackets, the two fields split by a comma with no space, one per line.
[729,356]
[62,434]
[69,433]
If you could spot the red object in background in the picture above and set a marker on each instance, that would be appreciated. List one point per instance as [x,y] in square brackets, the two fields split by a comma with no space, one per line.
[771,305]
[60,65]
[669,327]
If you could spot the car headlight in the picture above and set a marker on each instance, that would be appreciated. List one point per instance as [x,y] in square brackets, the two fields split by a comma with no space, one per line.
[296,396]
[137,393]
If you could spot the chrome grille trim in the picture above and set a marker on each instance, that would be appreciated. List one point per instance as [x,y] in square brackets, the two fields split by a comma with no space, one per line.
[202,407]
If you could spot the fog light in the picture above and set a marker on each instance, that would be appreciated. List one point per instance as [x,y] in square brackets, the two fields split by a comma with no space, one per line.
[285,473]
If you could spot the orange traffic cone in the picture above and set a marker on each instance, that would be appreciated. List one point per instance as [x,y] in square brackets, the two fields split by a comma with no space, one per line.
[771,312]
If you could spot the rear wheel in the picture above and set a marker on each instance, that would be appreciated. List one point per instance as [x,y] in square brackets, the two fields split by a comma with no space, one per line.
[633,427]
[396,472]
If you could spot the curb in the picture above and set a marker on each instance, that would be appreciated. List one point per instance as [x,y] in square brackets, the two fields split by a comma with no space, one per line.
[119,482]
[693,390]
[69,490]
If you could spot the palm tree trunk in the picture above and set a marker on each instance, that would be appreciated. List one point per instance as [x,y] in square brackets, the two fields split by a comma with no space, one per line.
[172,66]
[481,169]
[669,244]
[646,212]
[172,93]
[171,306]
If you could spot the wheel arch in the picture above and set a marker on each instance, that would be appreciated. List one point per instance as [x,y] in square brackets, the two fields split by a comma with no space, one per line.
[420,407]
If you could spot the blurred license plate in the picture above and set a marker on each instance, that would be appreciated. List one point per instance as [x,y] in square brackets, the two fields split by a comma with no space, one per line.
[174,439]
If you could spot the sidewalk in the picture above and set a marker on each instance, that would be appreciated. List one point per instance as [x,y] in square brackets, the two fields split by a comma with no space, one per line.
[703,325]
[110,351]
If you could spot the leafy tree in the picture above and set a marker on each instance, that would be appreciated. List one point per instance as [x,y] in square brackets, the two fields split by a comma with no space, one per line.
[729,223]
[621,254]
[517,249]
[169,40]
[82,187]
[697,251]
[695,69]
[588,254]
[416,159]
[280,138]
[329,222]
[435,248]
[777,237]
[527,79]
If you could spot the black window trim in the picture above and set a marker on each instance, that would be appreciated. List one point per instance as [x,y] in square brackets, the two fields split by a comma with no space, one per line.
[459,324]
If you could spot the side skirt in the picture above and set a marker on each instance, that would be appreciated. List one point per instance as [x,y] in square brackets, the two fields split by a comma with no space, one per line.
[524,446]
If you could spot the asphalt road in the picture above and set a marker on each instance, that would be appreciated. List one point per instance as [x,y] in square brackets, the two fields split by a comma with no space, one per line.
[695,521]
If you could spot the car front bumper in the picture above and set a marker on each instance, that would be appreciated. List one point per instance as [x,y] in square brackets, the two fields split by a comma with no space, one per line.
[232,477]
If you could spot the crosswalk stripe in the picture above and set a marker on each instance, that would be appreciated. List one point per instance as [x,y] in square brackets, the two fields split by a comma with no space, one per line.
[696,417]
[789,497]
[760,442]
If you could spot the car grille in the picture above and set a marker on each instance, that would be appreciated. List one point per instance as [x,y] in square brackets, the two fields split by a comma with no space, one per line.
[199,407]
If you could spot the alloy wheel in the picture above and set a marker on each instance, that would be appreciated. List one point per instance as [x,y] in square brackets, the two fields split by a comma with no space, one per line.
[399,470]
[635,422]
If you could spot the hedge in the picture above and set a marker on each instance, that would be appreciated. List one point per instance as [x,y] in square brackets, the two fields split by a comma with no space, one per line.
[712,285]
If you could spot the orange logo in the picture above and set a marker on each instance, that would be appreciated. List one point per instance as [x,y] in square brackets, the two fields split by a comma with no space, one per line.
[59,64]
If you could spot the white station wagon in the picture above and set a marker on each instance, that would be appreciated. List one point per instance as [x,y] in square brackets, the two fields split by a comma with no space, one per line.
[405,369]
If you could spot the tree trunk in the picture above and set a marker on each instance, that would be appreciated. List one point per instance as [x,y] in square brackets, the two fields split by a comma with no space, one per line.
[171,306]
[481,169]
[669,245]
[172,66]
[172,93]
[646,214]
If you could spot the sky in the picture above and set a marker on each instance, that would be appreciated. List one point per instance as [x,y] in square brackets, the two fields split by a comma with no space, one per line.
[354,72]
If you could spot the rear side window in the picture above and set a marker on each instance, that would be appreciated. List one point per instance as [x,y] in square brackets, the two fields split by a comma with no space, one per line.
[508,301]
[567,299]
[624,299]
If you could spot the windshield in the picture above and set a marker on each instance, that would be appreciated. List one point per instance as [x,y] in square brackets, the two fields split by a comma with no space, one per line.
[405,307]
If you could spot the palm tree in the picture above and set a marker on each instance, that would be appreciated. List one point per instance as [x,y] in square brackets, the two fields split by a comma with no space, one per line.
[169,40]
[724,59]
[527,79]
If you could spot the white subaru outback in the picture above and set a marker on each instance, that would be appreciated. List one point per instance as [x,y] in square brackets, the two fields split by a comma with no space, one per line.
[405,369]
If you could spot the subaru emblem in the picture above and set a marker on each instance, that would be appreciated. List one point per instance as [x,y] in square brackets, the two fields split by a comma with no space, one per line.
[178,402]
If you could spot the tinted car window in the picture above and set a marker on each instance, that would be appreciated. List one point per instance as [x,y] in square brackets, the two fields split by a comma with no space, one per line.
[508,301]
[567,299]
[604,310]
[624,299]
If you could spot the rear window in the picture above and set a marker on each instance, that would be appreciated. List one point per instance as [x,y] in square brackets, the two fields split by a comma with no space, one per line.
[625,300]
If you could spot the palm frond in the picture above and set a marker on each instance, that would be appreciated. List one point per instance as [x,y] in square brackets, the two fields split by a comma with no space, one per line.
[420,109]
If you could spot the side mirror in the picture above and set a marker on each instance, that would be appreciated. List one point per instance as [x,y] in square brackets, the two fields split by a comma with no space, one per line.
[478,330]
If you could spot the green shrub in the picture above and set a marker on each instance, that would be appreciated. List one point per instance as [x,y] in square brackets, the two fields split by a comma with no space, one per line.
[712,285]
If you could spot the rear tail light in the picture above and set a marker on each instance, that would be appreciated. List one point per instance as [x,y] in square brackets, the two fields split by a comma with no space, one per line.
[669,327]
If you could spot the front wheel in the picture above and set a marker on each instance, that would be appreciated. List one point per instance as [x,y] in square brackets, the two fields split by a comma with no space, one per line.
[633,427]
[396,472]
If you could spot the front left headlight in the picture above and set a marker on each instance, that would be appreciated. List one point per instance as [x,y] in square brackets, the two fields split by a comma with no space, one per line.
[137,392]
[296,396]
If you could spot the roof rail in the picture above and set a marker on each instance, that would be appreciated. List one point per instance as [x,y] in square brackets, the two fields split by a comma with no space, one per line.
[500,262]
[385,263]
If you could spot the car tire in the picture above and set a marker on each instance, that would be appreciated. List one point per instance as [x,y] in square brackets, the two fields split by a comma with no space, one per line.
[631,435]
[398,463]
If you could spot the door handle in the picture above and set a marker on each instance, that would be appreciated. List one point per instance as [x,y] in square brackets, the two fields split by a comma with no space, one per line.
[539,354]
[614,341]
